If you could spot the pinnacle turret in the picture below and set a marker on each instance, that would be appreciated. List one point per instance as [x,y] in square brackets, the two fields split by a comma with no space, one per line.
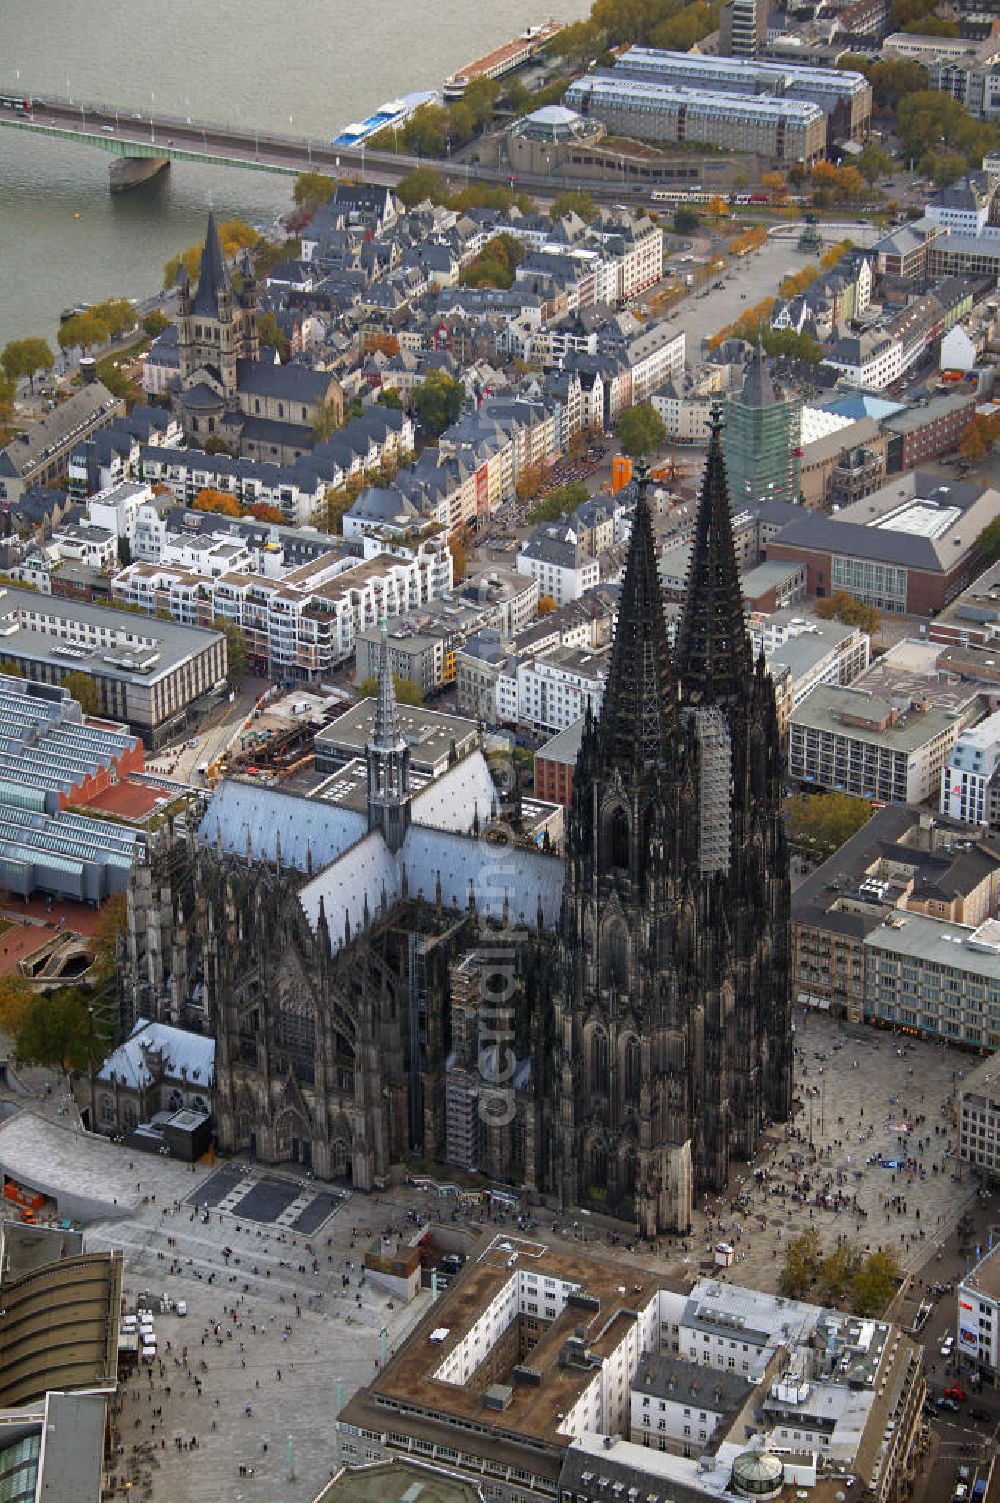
[213,275]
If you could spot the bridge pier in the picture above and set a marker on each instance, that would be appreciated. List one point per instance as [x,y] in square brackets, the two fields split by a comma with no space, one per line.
[129,172]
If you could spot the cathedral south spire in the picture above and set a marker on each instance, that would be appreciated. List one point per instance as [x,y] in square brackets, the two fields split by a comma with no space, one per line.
[714,658]
[388,759]
[638,715]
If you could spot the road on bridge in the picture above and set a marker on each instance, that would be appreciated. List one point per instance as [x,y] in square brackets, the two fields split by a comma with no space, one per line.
[126,134]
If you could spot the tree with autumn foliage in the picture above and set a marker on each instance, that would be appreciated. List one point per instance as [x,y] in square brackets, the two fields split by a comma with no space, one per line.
[384,344]
[263,511]
[219,501]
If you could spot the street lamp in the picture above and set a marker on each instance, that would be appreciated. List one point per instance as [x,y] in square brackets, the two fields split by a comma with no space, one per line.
[152,123]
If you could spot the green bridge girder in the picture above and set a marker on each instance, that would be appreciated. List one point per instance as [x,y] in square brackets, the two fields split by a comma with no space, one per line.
[117,147]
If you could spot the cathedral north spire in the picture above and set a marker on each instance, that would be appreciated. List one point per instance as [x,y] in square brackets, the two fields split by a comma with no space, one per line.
[638,715]
[713,654]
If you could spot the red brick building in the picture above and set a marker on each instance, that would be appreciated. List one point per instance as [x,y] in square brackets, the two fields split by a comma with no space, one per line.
[554,765]
[907,549]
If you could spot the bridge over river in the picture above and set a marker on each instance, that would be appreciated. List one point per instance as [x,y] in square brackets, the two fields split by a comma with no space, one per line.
[143,144]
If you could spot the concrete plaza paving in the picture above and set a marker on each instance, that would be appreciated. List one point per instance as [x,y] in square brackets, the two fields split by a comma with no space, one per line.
[264,1296]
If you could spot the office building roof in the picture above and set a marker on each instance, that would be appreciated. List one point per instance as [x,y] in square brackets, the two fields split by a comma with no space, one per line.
[835,710]
[142,648]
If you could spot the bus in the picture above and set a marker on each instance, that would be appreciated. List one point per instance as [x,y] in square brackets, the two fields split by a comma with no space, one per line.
[16,102]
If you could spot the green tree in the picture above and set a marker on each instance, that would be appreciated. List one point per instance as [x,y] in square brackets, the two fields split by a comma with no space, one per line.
[895,78]
[84,690]
[574,201]
[943,167]
[312,189]
[437,401]
[407,692]
[26,357]
[840,606]
[272,335]
[326,421]
[818,824]
[421,184]
[82,331]
[236,650]
[930,118]
[116,315]
[640,429]
[495,264]
[874,1282]
[578,43]
[680,32]
[16,993]
[988,543]
[874,162]
[559,502]
[154,323]
[932,26]
[59,1029]
[389,397]
[799,1265]
[479,98]
[686,220]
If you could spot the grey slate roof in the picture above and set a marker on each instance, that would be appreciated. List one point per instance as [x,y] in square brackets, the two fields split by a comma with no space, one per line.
[213,276]
[289,383]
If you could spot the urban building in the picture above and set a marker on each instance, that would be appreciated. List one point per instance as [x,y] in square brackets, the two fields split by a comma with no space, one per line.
[763,429]
[902,859]
[435,741]
[563,568]
[844,97]
[971,619]
[742,28]
[860,741]
[40,454]
[978,1107]
[969,776]
[156,1090]
[551,692]
[558,1377]
[907,549]
[555,763]
[148,673]
[784,130]
[812,650]
[935,979]
[978,1332]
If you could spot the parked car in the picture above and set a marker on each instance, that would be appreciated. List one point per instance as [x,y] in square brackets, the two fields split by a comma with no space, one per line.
[957,1392]
[948,1404]
[946,1347]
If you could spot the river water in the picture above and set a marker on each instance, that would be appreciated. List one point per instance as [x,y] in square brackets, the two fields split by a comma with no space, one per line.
[304,66]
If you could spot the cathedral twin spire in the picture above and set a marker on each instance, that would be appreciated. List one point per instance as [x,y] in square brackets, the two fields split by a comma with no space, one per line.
[712,662]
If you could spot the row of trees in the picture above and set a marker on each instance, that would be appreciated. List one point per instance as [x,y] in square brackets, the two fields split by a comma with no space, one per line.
[435,129]
[846,1277]
[26,359]
[227,505]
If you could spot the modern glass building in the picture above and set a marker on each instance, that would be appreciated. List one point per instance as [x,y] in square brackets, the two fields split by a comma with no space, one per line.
[761,440]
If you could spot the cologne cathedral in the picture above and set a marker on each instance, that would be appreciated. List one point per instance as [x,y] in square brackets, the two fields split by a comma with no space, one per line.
[338,954]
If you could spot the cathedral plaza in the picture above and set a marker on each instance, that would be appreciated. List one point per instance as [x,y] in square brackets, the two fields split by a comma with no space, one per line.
[268,1273]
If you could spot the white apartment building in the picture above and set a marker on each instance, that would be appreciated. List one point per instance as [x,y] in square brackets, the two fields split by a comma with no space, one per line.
[117,508]
[979,1122]
[550,693]
[563,569]
[869,360]
[934,978]
[966,776]
[295,492]
[853,740]
[302,625]
[657,355]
